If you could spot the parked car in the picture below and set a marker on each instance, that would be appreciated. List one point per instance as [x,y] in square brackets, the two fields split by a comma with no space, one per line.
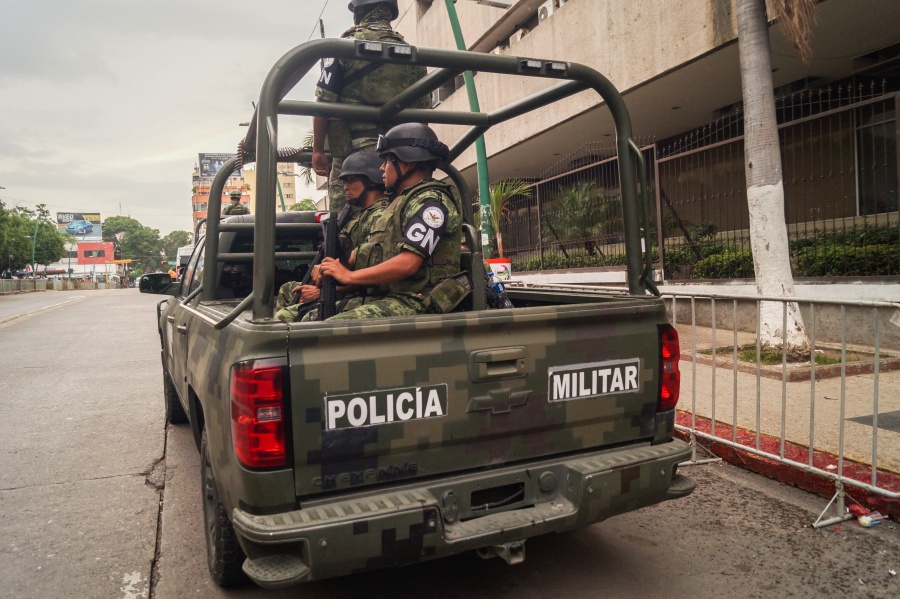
[80,227]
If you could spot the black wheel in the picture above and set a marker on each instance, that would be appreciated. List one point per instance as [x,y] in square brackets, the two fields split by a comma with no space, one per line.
[224,555]
[174,410]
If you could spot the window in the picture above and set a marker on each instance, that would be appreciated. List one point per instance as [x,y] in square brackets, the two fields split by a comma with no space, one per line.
[193,274]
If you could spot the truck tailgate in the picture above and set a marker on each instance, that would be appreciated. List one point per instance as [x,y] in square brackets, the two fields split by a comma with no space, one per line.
[393,399]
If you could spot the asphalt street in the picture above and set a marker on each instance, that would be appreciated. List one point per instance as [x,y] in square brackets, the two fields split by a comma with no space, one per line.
[100,499]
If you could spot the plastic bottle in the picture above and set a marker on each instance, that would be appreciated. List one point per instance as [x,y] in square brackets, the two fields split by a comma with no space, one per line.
[500,289]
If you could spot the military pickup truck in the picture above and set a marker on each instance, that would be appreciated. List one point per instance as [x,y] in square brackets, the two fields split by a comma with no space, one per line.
[329,448]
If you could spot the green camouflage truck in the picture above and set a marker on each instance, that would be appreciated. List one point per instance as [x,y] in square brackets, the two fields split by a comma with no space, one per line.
[330,448]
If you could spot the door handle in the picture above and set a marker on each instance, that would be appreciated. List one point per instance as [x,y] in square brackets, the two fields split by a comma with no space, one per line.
[170,318]
[497,363]
[182,328]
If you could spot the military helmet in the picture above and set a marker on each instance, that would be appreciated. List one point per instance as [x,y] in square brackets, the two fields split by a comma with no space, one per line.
[412,142]
[235,194]
[392,4]
[363,164]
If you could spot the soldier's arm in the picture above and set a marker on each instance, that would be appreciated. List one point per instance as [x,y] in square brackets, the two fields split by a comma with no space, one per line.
[401,266]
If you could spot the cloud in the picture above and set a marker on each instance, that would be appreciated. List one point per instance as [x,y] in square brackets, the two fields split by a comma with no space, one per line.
[108,102]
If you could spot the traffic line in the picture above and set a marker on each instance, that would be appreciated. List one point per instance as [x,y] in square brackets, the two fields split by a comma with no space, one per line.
[33,312]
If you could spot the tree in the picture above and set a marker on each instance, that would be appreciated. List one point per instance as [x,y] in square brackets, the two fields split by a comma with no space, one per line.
[135,241]
[762,155]
[174,240]
[17,226]
[304,204]
[501,192]
[583,213]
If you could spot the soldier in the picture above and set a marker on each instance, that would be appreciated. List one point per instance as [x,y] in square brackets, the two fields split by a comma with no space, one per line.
[415,245]
[358,82]
[364,189]
[235,207]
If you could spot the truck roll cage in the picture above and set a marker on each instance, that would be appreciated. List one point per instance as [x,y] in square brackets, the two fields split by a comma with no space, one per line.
[447,64]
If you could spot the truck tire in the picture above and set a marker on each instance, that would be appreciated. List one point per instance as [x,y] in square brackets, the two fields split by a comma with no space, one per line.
[174,410]
[224,556]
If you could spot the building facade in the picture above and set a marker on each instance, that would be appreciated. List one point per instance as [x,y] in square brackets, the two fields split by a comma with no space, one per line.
[676,64]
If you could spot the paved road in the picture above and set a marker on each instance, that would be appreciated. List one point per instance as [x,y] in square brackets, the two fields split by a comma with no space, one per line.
[18,305]
[80,509]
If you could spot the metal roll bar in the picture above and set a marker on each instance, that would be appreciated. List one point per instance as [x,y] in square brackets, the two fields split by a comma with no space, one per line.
[291,67]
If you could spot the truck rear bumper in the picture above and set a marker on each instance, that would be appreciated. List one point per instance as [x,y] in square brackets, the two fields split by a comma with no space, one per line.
[418,522]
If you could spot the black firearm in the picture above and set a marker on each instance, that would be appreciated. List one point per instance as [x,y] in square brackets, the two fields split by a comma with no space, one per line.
[342,219]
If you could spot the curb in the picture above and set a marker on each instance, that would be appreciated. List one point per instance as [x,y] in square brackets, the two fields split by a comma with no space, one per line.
[811,482]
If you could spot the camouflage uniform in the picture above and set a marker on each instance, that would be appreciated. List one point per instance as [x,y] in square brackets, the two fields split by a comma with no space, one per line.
[235,208]
[426,220]
[350,237]
[355,82]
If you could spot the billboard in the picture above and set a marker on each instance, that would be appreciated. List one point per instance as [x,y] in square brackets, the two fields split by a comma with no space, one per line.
[84,226]
[211,163]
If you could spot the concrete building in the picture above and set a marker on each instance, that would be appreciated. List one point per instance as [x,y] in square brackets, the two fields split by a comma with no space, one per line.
[246,183]
[676,63]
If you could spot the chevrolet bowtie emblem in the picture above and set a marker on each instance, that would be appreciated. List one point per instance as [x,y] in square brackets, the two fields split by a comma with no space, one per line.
[499,401]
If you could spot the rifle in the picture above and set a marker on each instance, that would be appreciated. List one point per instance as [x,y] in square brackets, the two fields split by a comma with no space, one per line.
[342,219]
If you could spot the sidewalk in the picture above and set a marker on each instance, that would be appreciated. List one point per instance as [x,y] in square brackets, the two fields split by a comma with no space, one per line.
[784,410]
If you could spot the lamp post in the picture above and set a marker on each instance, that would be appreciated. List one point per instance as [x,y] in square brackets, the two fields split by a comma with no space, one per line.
[37,223]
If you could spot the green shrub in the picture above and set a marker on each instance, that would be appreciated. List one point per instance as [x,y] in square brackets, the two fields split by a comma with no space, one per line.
[730,264]
[837,260]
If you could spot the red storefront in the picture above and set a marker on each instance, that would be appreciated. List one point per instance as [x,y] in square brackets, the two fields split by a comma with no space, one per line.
[96,252]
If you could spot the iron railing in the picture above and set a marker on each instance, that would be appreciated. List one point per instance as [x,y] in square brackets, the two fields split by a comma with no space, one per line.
[839,150]
[822,417]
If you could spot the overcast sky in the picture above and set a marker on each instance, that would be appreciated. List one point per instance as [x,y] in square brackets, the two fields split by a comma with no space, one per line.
[106,103]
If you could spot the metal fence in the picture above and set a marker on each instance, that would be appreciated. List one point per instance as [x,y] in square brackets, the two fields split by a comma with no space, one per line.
[840,165]
[573,217]
[820,418]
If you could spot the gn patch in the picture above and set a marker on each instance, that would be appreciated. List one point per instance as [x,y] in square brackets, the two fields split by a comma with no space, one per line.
[384,406]
[583,381]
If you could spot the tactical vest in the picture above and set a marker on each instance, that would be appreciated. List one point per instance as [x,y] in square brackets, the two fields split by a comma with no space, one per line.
[235,208]
[357,228]
[371,84]
[387,233]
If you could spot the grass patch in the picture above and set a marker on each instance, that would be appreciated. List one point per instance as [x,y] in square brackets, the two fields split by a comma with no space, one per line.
[824,357]
[771,358]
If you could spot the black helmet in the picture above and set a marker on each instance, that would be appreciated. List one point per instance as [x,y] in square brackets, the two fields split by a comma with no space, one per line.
[392,4]
[235,194]
[412,142]
[363,164]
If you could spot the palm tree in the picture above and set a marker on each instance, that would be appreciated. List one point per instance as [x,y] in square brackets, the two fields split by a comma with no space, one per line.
[583,212]
[765,189]
[306,173]
[501,192]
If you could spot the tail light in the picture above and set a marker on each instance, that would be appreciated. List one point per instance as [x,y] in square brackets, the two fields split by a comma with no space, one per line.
[258,413]
[669,375]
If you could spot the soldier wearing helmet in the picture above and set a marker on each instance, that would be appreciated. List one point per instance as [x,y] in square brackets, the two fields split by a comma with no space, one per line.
[359,82]
[235,207]
[364,189]
[415,245]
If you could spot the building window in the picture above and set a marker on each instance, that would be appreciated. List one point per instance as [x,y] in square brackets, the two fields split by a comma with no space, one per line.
[289,195]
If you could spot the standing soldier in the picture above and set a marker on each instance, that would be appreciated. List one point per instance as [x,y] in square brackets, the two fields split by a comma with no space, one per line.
[415,246]
[359,82]
[235,207]
[364,189]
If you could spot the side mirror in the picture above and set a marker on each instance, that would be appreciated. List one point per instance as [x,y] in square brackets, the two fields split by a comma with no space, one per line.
[158,283]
